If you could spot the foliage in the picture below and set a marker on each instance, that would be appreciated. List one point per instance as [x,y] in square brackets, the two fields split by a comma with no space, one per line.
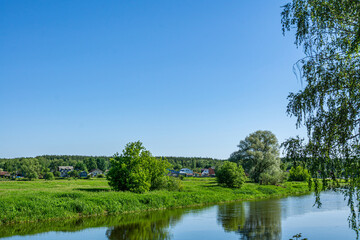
[329,103]
[32,175]
[49,176]
[231,175]
[136,170]
[258,153]
[74,174]
[90,164]
[173,184]
[100,176]
[80,166]
[299,174]
[57,174]
[273,178]
[101,164]
[294,149]
[84,163]
[192,162]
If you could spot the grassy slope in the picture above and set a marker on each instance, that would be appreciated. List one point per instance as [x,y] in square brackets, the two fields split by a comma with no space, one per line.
[43,200]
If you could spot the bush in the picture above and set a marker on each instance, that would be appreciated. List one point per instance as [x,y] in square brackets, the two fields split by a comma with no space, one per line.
[100,176]
[49,176]
[174,184]
[74,174]
[231,175]
[57,174]
[32,175]
[136,170]
[299,174]
[272,178]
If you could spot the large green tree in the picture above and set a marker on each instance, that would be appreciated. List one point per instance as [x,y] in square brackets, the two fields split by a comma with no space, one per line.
[258,154]
[329,103]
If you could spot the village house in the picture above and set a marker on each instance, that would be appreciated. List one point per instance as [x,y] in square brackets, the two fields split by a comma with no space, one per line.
[187,172]
[4,174]
[64,170]
[205,172]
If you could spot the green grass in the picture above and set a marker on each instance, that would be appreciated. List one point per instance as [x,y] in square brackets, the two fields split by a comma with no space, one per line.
[22,201]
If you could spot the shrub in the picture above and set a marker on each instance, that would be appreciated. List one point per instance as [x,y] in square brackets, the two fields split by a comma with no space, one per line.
[32,175]
[49,176]
[299,174]
[174,184]
[100,176]
[57,174]
[272,177]
[136,170]
[231,175]
[74,174]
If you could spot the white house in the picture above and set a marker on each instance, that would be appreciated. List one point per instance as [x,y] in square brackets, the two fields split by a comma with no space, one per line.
[205,172]
[64,170]
[186,171]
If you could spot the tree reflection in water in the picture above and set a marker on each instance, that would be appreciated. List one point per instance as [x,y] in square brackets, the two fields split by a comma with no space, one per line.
[145,225]
[252,220]
[152,226]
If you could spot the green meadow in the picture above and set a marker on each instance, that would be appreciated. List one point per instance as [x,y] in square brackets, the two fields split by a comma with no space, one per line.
[22,201]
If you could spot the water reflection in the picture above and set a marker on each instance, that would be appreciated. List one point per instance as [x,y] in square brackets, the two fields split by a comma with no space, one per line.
[148,225]
[269,219]
[252,220]
[152,226]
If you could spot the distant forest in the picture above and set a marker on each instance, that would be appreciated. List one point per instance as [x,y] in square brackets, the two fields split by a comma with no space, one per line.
[42,164]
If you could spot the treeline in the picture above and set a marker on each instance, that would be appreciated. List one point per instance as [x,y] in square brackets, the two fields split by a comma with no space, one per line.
[40,165]
[37,166]
[193,163]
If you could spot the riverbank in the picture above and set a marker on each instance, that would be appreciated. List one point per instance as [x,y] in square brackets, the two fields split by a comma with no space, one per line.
[22,201]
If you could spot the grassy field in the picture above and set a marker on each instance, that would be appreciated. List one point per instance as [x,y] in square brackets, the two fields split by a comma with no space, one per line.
[22,201]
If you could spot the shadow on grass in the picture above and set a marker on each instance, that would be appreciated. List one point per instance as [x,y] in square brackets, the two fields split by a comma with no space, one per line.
[211,184]
[93,189]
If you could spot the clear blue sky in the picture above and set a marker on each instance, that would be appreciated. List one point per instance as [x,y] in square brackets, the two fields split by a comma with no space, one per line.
[187,78]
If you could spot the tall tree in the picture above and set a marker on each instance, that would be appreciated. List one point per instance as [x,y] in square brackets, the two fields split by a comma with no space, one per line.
[101,164]
[90,164]
[329,104]
[258,154]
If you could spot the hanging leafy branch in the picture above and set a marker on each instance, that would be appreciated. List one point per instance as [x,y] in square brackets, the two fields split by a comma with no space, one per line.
[329,104]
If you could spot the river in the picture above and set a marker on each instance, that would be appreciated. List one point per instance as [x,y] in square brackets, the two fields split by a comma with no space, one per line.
[267,219]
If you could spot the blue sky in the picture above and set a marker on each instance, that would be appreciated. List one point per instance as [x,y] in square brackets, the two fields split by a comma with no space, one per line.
[187,78]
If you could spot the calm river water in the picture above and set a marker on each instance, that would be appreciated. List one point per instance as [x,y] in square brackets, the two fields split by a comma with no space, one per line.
[268,219]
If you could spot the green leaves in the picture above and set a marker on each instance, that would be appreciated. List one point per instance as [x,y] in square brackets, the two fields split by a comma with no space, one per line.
[329,104]
[231,175]
[258,153]
[136,170]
